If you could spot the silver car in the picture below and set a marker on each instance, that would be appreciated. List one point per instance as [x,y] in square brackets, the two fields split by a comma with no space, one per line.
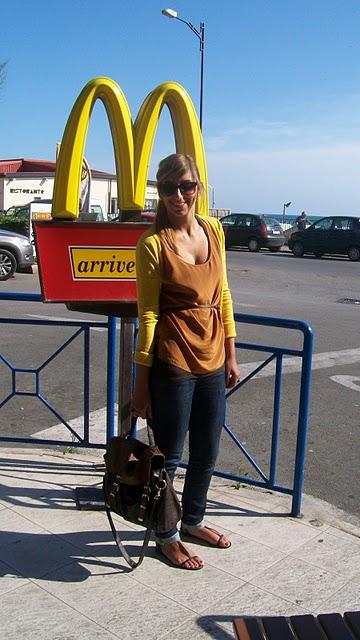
[16,254]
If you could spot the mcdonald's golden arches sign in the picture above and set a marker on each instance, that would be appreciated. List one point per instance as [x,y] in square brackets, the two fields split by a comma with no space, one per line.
[96,261]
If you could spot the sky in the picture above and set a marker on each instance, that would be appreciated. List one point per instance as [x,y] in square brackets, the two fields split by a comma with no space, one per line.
[281,112]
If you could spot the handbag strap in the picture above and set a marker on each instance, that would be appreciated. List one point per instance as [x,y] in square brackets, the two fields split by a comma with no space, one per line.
[150,431]
[116,536]
[122,548]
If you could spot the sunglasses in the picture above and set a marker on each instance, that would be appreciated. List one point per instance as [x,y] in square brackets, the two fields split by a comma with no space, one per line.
[169,188]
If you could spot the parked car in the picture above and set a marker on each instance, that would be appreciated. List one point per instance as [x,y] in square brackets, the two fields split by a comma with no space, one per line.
[252,231]
[13,211]
[339,235]
[16,254]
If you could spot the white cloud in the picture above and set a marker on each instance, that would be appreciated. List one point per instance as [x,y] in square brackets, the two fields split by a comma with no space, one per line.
[323,180]
[252,135]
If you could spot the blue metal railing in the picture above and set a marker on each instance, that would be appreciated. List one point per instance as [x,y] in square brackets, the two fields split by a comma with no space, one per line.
[81,329]
[267,480]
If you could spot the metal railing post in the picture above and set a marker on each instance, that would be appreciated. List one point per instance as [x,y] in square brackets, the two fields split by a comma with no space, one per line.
[111,379]
[302,421]
[125,375]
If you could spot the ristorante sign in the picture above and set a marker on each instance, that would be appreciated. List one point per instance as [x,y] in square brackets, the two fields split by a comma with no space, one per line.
[27,190]
[96,261]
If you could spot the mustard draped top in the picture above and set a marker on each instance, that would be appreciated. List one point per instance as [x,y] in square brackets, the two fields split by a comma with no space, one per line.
[185,310]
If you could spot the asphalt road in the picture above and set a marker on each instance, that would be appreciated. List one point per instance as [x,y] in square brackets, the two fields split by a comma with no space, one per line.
[308,289]
[277,285]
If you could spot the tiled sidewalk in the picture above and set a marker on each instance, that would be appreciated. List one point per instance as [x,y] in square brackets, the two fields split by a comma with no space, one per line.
[62,577]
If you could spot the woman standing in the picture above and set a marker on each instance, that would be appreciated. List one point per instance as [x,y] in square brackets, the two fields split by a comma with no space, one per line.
[186,350]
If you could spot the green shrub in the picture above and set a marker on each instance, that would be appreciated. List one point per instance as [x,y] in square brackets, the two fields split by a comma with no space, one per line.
[18,224]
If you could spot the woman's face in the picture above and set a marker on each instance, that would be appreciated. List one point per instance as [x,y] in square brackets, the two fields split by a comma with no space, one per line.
[179,196]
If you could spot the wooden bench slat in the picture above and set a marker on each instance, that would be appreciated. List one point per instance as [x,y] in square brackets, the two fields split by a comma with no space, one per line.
[277,627]
[334,626]
[353,620]
[248,629]
[327,626]
[307,627]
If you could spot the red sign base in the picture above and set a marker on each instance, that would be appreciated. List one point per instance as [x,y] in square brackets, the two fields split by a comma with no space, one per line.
[88,262]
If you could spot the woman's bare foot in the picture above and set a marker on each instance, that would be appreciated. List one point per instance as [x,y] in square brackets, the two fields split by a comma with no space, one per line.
[180,556]
[209,536]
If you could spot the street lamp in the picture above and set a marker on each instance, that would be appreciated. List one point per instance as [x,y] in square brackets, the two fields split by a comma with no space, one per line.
[286,205]
[171,13]
[212,189]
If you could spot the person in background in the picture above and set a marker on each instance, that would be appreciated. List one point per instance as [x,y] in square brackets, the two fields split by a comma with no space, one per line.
[302,221]
[185,354]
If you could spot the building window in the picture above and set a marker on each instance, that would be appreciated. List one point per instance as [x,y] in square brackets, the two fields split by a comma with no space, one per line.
[114,205]
[150,203]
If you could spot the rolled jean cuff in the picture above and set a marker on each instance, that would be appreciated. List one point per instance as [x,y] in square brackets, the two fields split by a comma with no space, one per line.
[174,537]
[190,528]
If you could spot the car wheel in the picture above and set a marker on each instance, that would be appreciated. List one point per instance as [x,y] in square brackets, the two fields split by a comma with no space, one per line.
[274,249]
[318,255]
[354,254]
[298,249]
[253,244]
[7,264]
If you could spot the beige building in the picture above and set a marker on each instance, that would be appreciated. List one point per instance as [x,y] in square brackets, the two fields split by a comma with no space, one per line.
[24,180]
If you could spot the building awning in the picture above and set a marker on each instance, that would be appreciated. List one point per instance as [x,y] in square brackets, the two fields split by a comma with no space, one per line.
[23,165]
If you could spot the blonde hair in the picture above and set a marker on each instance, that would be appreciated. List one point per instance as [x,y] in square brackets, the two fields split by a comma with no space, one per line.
[174,167]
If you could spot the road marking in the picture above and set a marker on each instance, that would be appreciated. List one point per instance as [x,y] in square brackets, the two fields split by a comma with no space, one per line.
[244,304]
[348,381]
[324,360]
[97,428]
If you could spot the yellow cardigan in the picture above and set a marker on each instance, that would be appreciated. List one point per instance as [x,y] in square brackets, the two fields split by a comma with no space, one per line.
[148,283]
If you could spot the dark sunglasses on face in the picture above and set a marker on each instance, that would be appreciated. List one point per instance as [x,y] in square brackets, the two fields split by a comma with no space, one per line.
[169,188]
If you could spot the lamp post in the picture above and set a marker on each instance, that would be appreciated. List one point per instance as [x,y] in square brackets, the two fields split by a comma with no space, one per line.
[286,205]
[212,189]
[200,33]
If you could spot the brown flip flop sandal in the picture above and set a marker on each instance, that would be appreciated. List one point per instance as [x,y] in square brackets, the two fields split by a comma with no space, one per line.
[216,544]
[180,565]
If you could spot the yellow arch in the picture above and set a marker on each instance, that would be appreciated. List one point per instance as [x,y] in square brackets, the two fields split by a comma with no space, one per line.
[132,142]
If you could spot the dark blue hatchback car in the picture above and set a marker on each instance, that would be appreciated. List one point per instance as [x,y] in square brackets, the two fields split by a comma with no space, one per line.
[338,235]
[253,231]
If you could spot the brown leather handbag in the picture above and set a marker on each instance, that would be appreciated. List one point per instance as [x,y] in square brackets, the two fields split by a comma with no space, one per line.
[137,487]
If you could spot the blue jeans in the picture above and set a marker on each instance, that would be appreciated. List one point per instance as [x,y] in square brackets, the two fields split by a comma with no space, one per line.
[181,403]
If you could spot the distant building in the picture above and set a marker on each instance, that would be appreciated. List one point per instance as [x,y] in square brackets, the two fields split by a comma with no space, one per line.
[219,213]
[23,180]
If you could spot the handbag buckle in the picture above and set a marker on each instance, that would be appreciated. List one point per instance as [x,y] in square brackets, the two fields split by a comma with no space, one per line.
[160,486]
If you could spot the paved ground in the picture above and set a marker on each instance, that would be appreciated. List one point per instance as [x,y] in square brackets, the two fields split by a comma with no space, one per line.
[63,579]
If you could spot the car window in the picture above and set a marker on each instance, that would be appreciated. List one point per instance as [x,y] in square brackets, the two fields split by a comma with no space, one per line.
[323,225]
[345,224]
[271,221]
[247,221]
[24,211]
[244,221]
[337,224]
[229,220]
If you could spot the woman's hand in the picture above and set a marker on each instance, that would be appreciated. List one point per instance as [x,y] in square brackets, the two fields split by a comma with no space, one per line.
[232,374]
[232,371]
[141,401]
